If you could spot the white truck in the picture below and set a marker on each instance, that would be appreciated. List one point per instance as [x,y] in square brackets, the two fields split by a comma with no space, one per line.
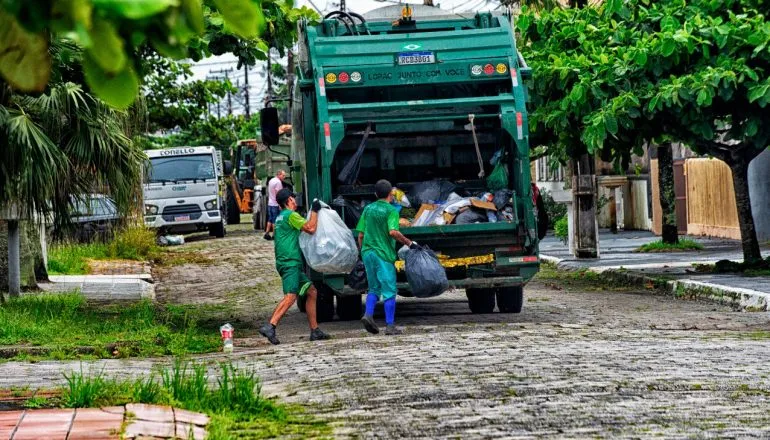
[184,190]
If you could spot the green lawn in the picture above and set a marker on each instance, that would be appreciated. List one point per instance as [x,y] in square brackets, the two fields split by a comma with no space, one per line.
[65,326]
[130,244]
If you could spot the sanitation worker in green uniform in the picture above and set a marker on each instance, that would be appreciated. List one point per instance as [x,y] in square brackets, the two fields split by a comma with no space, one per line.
[288,262]
[378,232]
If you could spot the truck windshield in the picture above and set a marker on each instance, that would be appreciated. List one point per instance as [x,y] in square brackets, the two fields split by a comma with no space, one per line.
[180,168]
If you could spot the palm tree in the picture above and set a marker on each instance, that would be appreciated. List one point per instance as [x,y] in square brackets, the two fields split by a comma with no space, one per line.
[64,143]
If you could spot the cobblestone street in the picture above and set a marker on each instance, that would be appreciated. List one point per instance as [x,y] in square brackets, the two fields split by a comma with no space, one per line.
[581,361]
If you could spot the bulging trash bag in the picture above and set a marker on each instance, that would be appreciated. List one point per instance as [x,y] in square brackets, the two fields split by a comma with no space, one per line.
[502,198]
[357,277]
[431,191]
[332,248]
[424,273]
[471,216]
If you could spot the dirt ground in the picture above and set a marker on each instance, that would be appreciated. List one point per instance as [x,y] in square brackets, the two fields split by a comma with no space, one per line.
[581,361]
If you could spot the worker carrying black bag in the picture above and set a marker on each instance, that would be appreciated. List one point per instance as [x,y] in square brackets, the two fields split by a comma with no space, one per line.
[424,273]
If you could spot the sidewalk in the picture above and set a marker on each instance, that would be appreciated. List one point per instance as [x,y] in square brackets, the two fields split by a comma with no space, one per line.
[132,421]
[672,271]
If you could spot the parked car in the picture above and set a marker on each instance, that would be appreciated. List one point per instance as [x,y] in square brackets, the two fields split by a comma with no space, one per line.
[94,216]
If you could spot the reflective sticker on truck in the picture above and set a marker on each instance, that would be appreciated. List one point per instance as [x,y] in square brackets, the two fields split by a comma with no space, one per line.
[321,86]
[328,136]
[520,125]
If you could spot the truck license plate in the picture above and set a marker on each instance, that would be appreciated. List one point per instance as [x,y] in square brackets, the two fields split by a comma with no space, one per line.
[408,58]
[182,218]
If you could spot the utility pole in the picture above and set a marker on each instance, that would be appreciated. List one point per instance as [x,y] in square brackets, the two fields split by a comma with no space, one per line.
[290,82]
[229,95]
[342,5]
[269,93]
[246,92]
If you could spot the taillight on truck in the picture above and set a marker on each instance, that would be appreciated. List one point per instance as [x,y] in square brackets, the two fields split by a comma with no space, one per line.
[489,69]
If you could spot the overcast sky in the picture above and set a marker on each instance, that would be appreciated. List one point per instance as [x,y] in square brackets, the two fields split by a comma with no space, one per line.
[257,84]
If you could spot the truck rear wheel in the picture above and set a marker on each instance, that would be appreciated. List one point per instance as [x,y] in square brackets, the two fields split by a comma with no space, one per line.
[510,299]
[481,300]
[325,304]
[233,210]
[349,308]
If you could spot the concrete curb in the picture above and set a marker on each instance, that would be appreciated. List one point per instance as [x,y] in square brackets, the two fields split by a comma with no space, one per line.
[103,287]
[746,300]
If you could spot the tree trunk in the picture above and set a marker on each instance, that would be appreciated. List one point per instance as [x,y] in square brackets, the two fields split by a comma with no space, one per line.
[667,194]
[14,259]
[31,255]
[749,242]
[427,2]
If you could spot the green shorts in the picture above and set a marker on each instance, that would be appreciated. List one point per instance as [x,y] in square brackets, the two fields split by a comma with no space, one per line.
[381,276]
[294,280]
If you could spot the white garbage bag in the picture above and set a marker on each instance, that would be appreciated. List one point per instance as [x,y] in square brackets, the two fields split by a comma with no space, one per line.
[332,249]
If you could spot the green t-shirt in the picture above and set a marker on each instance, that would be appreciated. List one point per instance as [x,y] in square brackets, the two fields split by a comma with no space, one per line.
[287,228]
[377,220]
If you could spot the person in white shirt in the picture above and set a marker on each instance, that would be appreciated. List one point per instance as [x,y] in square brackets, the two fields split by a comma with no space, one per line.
[273,186]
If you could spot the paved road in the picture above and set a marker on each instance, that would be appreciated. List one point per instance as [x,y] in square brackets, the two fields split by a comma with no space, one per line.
[581,361]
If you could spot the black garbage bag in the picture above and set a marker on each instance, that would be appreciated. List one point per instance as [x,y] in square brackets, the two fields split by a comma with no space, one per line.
[502,198]
[424,273]
[430,191]
[471,216]
[351,211]
[357,277]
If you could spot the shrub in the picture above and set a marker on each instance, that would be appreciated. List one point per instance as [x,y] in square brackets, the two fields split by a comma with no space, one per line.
[555,210]
[561,229]
[134,243]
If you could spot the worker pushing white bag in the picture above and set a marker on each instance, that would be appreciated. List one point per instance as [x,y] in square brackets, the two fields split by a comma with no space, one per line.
[332,249]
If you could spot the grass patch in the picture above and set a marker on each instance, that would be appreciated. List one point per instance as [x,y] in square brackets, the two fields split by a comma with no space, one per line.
[235,404]
[684,245]
[135,243]
[65,326]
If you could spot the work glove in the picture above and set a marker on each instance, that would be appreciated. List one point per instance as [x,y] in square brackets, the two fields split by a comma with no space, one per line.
[316,206]
[414,246]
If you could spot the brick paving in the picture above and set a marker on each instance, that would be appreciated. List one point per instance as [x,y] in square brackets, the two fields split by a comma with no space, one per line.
[581,361]
[141,421]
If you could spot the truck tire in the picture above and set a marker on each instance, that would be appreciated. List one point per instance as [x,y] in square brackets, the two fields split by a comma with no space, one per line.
[481,300]
[325,304]
[256,220]
[349,308]
[301,303]
[218,230]
[510,299]
[233,211]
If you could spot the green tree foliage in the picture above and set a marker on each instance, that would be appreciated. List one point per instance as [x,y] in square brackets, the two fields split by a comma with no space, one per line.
[172,100]
[280,31]
[610,79]
[65,142]
[221,133]
[110,31]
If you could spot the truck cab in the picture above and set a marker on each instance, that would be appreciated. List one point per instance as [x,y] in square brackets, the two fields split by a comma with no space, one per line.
[183,190]
[432,98]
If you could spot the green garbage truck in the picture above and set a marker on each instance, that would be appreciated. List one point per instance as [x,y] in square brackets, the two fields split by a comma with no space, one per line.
[435,103]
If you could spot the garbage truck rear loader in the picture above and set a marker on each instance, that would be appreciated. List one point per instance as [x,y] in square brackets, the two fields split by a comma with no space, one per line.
[435,104]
